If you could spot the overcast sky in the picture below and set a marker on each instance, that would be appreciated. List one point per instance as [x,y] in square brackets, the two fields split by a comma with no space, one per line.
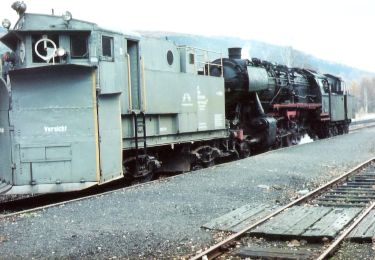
[336,30]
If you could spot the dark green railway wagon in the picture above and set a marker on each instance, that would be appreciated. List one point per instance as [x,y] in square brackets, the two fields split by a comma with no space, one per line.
[84,101]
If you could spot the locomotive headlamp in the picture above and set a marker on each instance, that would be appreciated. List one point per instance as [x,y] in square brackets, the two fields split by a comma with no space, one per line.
[6,24]
[19,7]
[67,16]
[60,52]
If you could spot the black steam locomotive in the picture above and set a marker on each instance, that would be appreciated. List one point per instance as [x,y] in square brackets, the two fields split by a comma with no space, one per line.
[271,105]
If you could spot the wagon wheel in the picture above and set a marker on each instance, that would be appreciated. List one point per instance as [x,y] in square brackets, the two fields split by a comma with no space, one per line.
[146,172]
[204,156]
[196,167]
[146,178]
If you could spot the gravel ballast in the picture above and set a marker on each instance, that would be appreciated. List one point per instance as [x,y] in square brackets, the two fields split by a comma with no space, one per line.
[163,218]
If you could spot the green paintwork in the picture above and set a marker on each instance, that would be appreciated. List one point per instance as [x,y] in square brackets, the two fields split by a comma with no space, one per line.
[110,137]
[54,125]
[72,119]
[5,141]
[337,107]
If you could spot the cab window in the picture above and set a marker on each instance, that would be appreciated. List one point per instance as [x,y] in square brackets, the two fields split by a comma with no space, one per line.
[107,47]
[79,46]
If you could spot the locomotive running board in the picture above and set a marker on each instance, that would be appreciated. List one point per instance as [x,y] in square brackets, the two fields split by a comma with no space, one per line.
[46,188]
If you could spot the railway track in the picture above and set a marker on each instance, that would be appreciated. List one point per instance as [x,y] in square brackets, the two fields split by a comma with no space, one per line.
[43,201]
[36,202]
[357,125]
[345,201]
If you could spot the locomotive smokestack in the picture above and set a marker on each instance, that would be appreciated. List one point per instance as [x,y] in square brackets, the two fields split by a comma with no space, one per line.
[234,53]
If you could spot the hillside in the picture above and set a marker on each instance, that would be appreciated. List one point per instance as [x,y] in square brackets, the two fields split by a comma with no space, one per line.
[274,53]
[2,46]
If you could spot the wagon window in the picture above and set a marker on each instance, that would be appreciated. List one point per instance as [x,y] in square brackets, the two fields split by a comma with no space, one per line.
[191,58]
[78,46]
[107,46]
[170,57]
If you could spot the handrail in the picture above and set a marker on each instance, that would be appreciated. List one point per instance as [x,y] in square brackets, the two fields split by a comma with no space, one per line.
[143,94]
[205,57]
[129,84]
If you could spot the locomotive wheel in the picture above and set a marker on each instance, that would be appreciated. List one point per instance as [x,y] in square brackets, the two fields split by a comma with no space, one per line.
[286,141]
[244,150]
[331,132]
[340,129]
[335,130]
[346,128]
[278,143]
[295,139]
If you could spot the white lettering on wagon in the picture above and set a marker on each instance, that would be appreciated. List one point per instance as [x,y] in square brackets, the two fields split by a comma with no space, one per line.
[201,100]
[186,100]
[2,130]
[55,129]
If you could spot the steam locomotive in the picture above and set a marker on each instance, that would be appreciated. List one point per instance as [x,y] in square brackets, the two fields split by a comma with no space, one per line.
[81,105]
[278,105]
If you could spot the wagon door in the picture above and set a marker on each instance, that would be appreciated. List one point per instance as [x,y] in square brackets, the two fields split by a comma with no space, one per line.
[54,113]
[5,143]
[110,136]
[111,84]
[134,75]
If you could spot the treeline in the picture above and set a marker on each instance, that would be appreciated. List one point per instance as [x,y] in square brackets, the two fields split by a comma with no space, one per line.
[360,83]
[364,91]
[286,55]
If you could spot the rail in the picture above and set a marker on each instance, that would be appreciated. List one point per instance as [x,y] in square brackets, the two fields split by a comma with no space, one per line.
[334,245]
[215,250]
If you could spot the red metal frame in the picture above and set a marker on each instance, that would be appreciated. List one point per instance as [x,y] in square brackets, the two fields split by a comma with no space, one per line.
[298,105]
[292,110]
